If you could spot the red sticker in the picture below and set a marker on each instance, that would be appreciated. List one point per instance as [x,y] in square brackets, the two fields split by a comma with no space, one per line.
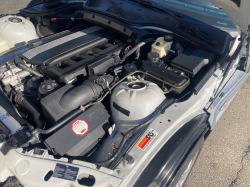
[80,127]
[146,140]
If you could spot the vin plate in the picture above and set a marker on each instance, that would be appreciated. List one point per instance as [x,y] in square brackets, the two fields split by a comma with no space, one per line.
[65,172]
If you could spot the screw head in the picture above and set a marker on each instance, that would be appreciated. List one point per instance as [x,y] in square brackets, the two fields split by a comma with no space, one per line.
[130,159]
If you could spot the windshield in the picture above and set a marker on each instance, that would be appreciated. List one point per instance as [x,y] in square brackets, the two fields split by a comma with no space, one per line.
[201,10]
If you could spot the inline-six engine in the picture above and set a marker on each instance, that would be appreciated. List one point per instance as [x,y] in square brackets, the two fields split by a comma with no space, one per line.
[56,90]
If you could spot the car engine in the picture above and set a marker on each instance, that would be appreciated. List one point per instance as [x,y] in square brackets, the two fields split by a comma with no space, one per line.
[78,92]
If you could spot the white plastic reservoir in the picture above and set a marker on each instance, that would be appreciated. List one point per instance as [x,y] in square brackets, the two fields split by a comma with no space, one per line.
[132,102]
[15,31]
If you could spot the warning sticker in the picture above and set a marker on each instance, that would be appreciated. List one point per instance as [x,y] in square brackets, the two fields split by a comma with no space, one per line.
[146,140]
[80,127]
[65,172]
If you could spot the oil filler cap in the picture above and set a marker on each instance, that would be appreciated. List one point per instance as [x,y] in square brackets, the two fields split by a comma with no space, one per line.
[153,57]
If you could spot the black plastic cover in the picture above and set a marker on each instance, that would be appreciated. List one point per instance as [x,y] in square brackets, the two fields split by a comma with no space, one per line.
[85,62]
[192,60]
[51,106]
[157,69]
[64,100]
[4,130]
[65,141]
[101,66]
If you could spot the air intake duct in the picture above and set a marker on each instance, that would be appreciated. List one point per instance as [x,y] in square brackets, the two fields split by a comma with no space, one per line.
[80,95]
[68,98]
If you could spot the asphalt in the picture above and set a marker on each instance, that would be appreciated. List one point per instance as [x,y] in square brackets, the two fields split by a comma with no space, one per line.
[225,157]
[13,6]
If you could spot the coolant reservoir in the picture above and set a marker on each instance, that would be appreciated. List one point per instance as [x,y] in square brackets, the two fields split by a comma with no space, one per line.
[3,45]
[163,45]
[132,102]
[15,31]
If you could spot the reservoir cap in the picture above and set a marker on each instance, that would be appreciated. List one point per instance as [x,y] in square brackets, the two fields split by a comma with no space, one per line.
[153,57]
[168,38]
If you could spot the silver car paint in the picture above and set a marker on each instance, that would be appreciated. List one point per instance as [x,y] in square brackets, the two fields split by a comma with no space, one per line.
[30,169]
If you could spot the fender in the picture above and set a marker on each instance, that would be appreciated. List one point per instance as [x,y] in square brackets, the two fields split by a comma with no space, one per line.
[161,171]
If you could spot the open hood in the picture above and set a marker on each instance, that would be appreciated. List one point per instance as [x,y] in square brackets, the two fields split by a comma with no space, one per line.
[237,10]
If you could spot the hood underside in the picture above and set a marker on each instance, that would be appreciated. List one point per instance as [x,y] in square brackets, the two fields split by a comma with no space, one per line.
[237,10]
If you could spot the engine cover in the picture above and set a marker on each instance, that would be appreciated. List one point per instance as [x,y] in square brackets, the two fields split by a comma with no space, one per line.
[51,52]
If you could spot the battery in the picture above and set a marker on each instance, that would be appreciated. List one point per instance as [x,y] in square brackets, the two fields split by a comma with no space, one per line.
[81,134]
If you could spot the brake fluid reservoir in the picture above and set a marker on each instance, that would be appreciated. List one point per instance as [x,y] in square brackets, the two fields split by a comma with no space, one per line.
[163,45]
[15,31]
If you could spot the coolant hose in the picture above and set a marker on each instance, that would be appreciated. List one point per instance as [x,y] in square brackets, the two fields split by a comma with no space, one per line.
[31,71]
[37,119]
[138,46]
[61,122]
[39,34]
[160,109]
[35,133]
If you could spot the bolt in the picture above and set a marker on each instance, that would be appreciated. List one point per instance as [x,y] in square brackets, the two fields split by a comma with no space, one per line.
[120,172]
[130,159]
[48,87]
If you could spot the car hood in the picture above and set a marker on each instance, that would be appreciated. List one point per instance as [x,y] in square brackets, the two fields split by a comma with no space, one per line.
[237,10]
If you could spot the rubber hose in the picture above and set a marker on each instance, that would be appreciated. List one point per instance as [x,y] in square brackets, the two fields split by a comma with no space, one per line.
[31,71]
[39,34]
[35,133]
[138,46]
[61,122]
[37,119]
[162,107]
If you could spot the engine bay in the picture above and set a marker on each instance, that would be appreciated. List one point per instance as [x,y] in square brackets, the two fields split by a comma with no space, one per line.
[86,92]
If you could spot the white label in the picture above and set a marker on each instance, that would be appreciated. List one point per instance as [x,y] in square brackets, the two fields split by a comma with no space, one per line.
[80,127]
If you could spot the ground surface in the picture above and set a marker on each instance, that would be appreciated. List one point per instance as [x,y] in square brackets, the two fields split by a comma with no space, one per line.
[13,6]
[225,158]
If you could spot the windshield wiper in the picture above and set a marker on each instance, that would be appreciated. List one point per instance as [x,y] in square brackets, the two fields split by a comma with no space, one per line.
[177,17]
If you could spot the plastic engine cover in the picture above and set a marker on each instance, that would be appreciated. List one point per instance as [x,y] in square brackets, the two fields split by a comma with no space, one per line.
[132,102]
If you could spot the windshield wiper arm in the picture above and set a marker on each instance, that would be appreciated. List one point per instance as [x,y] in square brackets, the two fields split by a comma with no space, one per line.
[177,17]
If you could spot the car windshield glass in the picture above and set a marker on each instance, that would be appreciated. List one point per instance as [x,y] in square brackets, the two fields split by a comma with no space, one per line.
[201,10]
